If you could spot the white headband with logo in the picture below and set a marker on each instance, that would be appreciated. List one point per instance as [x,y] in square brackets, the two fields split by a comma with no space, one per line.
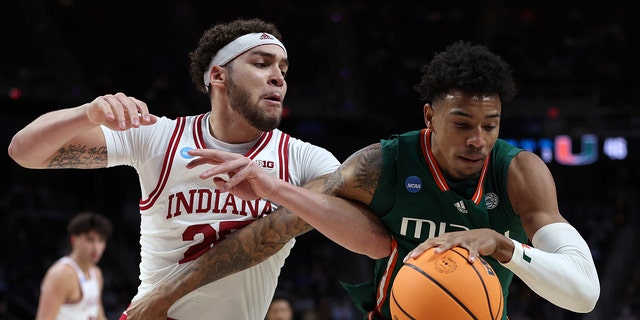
[239,46]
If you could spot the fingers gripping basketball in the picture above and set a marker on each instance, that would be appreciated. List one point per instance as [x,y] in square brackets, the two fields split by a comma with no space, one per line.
[446,286]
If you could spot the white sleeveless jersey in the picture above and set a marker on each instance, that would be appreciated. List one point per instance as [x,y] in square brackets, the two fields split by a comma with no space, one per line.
[88,308]
[182,216]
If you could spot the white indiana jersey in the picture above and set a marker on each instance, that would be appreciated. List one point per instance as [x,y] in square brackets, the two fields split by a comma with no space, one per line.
[182,215]
[88,308]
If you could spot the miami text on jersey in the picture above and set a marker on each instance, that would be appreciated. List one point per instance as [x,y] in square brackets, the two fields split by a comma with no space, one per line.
[433,229]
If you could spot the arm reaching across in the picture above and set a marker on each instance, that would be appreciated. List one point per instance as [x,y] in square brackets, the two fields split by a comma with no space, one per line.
[240,250]
[346,222]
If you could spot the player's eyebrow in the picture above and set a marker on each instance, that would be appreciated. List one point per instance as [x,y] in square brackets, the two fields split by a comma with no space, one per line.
[270,55]
[464,114]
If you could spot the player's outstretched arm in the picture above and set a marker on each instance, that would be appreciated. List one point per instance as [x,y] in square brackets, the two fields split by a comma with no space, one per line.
[72,138]
[358,229]
[348,223]
[240,250]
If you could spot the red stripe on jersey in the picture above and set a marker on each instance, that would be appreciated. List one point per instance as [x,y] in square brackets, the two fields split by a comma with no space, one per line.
[198,135]
[283,154]
[264,140]
[384,288]
[477,196]
[425,136]
[166,164]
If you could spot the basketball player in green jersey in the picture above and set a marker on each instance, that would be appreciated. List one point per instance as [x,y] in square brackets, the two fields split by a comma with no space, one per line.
[453,183]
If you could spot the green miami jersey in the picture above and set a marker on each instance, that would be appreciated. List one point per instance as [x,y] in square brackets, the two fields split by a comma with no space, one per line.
[416,202]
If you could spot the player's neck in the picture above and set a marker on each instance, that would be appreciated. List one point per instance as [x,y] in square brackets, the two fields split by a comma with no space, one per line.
[230,129]
[84,264]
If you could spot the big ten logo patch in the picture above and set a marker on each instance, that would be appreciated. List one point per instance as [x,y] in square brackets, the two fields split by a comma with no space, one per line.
[265,164]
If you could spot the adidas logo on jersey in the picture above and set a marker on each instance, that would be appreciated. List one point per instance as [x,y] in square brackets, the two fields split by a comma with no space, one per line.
[461,207]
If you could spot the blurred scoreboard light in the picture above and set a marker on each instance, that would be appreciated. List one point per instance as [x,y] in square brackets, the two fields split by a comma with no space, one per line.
[565,151]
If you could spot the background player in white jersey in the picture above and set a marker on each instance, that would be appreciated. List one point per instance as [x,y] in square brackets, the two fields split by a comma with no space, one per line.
[241,66]
[72,287]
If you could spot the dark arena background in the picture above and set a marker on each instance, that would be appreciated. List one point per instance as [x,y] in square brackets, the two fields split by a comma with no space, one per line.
[353,66]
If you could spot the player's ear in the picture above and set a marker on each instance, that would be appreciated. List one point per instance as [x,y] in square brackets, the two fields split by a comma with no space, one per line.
[218,75]
[72,240]
[428,115]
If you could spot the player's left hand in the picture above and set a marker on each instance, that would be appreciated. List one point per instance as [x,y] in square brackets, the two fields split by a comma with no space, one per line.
[485,242]
[246,179]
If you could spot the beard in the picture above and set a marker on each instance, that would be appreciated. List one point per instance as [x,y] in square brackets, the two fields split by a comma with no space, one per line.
[239,100]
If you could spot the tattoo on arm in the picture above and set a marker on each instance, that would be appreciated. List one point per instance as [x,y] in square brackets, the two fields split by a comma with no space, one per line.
[79,156]
[368,169]
[253,244]
[334,182]
[364,166]
[240,250]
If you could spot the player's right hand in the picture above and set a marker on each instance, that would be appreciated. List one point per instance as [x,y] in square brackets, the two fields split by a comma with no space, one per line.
[119,112]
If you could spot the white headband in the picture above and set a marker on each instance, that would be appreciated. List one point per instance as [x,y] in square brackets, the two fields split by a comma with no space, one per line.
[239,46]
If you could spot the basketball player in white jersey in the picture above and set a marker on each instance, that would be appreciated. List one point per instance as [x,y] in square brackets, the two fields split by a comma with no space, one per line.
[72,287]
[241,66]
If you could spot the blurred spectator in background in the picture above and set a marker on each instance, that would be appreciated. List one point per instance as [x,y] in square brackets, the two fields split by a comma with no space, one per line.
[280,308]
[72,287]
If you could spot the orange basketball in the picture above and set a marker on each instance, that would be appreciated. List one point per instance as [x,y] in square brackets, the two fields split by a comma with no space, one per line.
[446,286]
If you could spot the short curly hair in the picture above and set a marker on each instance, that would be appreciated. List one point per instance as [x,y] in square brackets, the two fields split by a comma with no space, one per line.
[467,67]
[219,35]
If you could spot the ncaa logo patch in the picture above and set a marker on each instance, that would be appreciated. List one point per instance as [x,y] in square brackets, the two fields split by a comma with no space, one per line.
[491,200]
[413,184]
[184,154]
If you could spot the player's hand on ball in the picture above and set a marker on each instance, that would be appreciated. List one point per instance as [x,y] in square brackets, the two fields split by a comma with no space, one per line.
[478,241]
